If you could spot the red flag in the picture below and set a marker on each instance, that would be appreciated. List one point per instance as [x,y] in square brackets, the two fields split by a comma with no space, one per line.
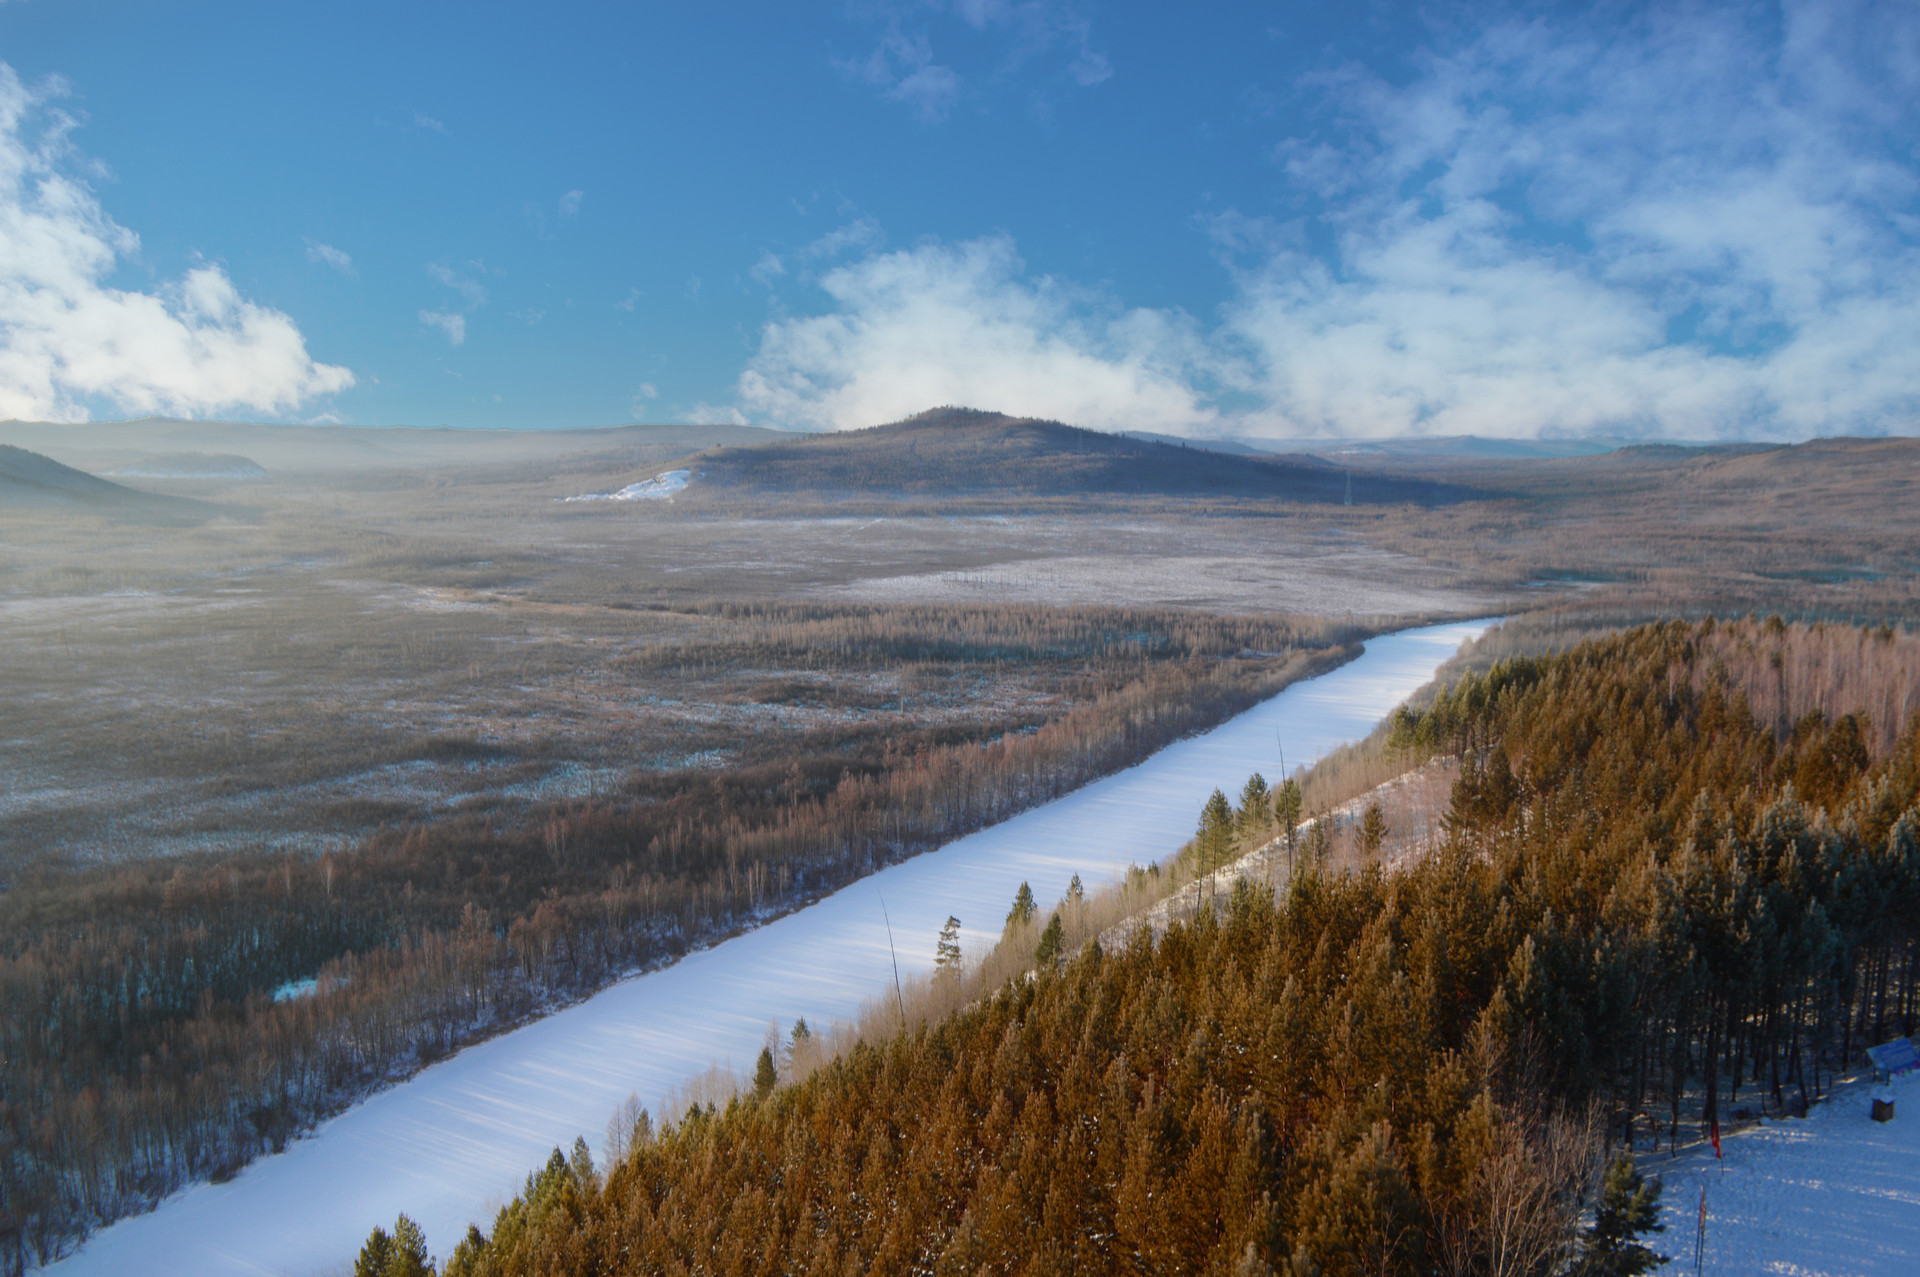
[1716,1137]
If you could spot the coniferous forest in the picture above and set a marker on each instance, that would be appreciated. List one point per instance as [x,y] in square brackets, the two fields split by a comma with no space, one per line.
[1651,911]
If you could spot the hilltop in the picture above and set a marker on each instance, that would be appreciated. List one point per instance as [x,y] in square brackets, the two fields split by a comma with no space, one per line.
[962,453]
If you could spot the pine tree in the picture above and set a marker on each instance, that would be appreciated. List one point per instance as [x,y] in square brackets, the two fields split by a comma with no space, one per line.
[1050,941]
[1213,841]
[1023,907]
[1076,891]
[408,1256]
[402,1254]
[1629,1205]
[946,954]
[1373,829]
[1256,805]
[375,1255]
[1286,805]
[764,1078]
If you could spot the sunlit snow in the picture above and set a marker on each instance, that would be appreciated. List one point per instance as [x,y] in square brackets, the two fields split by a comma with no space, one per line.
[1834,1194]
[659,488]
[451,1144]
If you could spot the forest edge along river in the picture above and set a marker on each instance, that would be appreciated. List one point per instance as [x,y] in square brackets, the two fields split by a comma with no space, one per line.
[452,1143]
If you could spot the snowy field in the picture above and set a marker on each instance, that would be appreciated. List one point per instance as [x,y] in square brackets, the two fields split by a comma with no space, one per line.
[455,1141]
[1835,1194]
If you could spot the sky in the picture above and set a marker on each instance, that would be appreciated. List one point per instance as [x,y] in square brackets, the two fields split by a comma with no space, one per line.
[1256,221]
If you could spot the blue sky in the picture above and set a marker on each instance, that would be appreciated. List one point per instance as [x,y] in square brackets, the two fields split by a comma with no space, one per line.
[1273,220]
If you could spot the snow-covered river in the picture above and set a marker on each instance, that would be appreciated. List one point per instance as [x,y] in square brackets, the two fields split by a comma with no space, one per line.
[452,1143]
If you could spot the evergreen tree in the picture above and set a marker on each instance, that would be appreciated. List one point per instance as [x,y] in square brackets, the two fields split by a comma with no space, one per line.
[1023,907]
[375,1255]
[1287,802]
[1076,891]
[1629,1206]
[1373,829]
[800,1030]
[1213,840]
[1048,951]
[408,1255]
[946,954]
[764,1078]
[1286,806]
[1256,805]
[401,1254]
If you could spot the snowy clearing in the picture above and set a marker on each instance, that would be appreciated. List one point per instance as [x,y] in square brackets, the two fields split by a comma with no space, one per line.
[1834,1194]
[450,1145]
[659,488]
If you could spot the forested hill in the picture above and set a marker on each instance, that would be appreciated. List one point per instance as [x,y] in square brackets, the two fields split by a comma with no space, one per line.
[956,452]
[1653,911]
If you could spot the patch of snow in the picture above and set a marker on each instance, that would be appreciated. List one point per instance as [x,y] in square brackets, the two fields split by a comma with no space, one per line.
[1833,1194]
[659,488]
[294,990]
[451,1143]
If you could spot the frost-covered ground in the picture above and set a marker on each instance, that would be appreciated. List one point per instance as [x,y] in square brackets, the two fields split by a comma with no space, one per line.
[1835,1194]
[659,488]
[449,1145]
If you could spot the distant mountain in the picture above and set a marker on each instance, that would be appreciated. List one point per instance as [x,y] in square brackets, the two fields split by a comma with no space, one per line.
[962,453]
[31,481]
[1455,447]
[293,453]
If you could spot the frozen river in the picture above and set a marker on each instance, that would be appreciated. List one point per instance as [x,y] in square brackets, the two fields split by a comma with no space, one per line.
[453,1142]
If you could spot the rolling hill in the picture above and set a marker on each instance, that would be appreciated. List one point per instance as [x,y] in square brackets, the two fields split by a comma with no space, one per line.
[31,481]
[962,453]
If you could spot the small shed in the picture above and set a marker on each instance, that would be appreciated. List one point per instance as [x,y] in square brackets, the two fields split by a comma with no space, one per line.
[1890,1059]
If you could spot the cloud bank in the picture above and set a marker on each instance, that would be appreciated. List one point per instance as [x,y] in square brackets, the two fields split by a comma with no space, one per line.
[70,342]
[962,324]
[1699,224]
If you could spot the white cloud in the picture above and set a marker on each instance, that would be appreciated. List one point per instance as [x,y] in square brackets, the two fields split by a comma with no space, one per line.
[1039,45]
[861,233]
[421,121]
[570,203]
[641,403]
[452,324]
[471,290]
[68,341]
[628,302]
[767,269]
[1693,224]
[964,325]
[328,255]
[1688,228]
[930,90]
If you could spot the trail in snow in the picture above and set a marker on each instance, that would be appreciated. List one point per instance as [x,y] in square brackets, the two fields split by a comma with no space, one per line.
[1833,1194]
[659,488]
[452,1143]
